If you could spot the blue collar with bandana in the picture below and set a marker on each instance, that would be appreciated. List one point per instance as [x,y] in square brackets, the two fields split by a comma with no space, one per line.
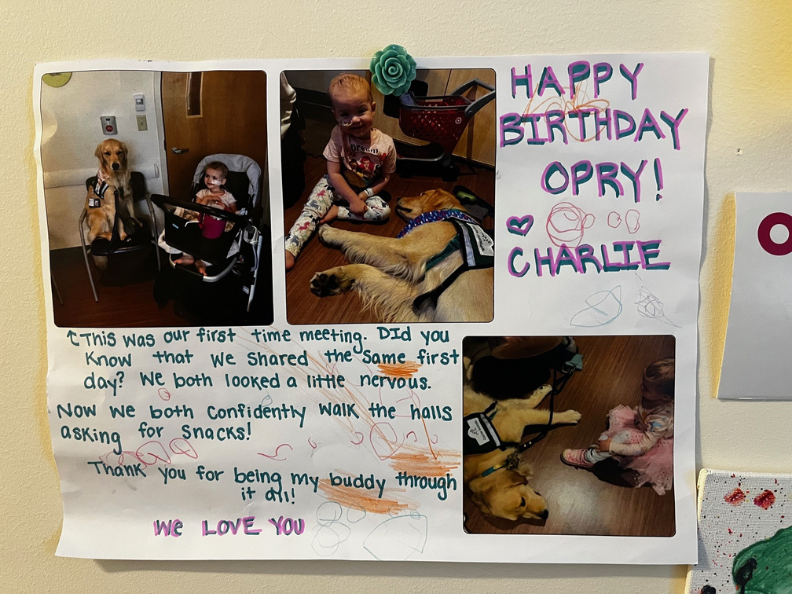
[435,216]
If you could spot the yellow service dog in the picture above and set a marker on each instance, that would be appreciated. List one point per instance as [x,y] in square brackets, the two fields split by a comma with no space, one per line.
[393,275]
[498,480]
[113,192]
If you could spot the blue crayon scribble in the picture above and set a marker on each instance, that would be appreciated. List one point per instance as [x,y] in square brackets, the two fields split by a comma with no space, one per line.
[649,306]
[603,308]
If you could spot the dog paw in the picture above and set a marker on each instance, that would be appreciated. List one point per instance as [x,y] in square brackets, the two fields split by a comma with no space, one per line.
[329,236]
[568,417]
[330,282]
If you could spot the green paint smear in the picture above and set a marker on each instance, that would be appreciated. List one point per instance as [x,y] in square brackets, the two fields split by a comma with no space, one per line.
[773,572]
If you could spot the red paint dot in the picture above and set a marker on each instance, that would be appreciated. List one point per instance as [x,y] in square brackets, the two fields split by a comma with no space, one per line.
[736,497]
[764,499]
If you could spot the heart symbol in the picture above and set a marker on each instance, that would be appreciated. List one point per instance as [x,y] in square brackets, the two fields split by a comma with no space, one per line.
[515,225]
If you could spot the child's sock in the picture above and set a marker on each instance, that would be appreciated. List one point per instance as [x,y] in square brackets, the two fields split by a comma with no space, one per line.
[593,455]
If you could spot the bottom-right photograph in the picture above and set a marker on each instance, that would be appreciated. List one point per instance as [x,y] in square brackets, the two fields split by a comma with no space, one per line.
[569,435]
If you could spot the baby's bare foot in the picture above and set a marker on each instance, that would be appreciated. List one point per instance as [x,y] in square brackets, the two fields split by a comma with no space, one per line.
[289,260]
[185,260]
[200,265]
[331,215]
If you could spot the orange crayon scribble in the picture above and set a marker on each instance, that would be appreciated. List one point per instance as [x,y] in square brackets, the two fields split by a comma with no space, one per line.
[353,498]
[406,369]
[425,462]
[579,102]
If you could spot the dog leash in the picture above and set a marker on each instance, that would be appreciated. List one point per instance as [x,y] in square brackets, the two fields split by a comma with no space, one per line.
[558,385]
[512,461]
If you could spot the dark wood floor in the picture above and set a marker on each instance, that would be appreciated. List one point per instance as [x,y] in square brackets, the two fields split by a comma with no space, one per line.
[302,306]
[579,501]
[125,294]
[126,291]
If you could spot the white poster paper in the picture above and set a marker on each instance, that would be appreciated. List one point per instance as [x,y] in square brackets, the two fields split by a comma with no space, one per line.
[318,439]
[760,317]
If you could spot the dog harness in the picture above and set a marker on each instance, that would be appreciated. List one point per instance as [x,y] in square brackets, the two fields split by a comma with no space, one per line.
[480,436]
[478,248]
[99,190]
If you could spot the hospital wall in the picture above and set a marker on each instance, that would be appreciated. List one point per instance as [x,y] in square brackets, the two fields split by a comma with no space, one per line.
[71,129]
[748,148]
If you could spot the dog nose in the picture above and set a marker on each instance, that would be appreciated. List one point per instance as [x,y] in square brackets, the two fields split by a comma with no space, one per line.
[116,166]
[544,515]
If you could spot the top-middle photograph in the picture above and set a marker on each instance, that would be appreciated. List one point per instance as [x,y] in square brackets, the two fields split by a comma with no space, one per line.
[389,199]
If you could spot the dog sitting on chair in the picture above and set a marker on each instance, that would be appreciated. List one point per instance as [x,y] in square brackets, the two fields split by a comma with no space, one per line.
[111,193]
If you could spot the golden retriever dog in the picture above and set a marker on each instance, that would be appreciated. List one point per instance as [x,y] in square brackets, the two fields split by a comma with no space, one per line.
[101,210]
[390,273]
[498,481]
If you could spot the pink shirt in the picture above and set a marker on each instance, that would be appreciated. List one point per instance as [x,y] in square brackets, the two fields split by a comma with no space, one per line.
[365,159]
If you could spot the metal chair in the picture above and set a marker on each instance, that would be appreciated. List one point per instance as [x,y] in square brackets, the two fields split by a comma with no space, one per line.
[141,239]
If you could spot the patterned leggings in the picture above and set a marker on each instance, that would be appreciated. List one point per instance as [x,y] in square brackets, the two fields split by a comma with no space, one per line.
[319,202]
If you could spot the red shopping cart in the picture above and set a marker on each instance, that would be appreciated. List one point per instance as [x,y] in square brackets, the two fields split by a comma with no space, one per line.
[439,120]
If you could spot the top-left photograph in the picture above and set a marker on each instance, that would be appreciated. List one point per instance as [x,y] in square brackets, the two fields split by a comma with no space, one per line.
[157,200]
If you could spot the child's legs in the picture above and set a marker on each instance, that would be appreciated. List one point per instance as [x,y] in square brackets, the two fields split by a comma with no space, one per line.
[378,210]
[593,454]
[317,205]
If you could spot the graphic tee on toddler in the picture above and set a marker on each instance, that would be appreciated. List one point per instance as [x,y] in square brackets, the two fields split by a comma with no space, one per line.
[362,160]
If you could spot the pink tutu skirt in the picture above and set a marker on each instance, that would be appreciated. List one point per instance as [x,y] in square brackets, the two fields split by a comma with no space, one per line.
[656,466]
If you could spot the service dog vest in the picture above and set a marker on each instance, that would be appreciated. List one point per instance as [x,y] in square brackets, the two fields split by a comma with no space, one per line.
[479,435]
[99,190]
[478,248]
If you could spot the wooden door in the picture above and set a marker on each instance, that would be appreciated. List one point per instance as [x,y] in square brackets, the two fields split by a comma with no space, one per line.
[478,140]
[212,112]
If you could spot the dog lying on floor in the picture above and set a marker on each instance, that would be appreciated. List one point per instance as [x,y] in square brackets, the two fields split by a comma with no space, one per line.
[498,480]
[112,192]
[437,272]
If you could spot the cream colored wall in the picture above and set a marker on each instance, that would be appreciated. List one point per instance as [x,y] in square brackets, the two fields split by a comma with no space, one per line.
[71,130]
[749,148]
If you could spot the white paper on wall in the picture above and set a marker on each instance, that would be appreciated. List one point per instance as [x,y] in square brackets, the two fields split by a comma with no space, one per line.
[288,442]
[760,317]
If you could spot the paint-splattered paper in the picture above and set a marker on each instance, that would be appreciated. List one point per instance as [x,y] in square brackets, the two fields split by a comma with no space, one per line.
[745,528]
[760,317]
[328,441]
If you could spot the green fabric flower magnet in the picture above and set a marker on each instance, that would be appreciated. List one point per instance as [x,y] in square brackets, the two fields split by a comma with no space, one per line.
[393,70]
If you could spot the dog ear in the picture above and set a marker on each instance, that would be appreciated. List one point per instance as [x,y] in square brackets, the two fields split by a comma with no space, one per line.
[440,199]
[524,467]
[124,152]
[98,152]
[479,501]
